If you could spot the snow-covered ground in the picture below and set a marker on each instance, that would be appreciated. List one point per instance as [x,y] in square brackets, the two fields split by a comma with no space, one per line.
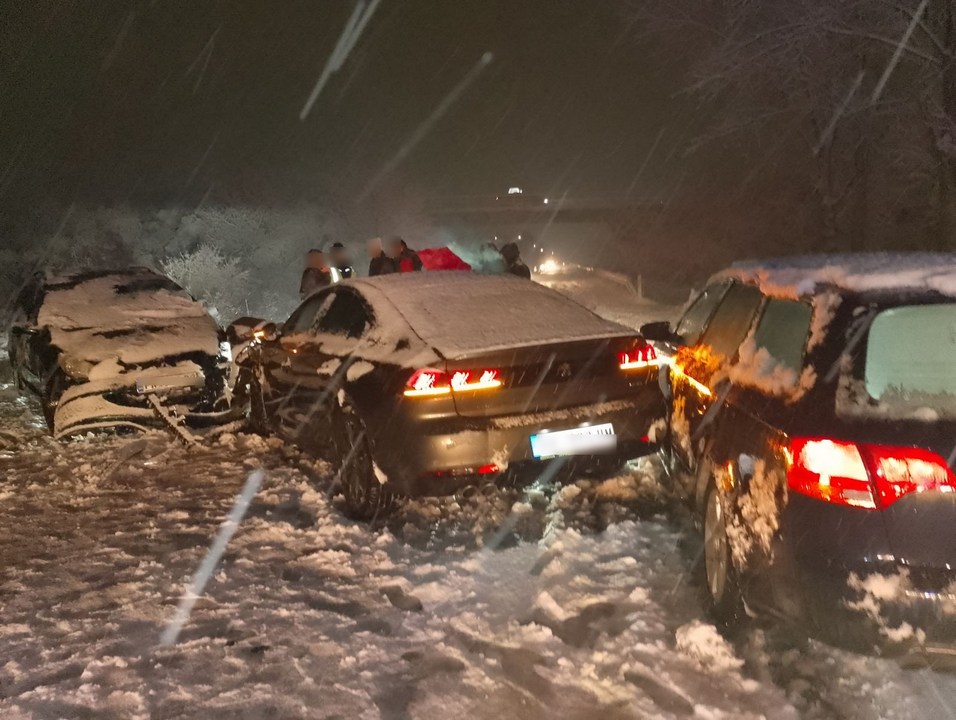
[575,600]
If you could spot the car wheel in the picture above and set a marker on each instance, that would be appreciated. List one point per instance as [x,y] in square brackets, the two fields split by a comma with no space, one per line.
[257,417]
[366,498]
[723,590]
[52,392]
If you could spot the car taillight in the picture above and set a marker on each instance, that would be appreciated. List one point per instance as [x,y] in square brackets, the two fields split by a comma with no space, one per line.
[639,356]
[428,382]
[864,475]
[465,380]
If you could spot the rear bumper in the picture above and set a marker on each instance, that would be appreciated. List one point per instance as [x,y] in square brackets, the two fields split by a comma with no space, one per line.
[884,605]
[434,456]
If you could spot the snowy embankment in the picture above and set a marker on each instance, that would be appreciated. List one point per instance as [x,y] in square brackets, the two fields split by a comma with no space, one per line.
[534,604]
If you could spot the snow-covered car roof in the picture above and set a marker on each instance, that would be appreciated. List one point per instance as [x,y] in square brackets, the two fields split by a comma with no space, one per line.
[461,313]
[862,272]
[134,316]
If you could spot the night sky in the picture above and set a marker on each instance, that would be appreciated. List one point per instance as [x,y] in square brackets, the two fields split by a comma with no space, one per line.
[163,102]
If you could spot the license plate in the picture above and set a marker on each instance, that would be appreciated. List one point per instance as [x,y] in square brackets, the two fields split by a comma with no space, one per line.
[161,383]
[590,440]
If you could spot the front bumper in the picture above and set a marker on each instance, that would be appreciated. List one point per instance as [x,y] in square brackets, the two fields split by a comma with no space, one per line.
[121,402]
[434,456]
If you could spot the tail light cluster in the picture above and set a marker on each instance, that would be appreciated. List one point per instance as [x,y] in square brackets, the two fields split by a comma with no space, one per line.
[864,475]
[639,356]
[429,382]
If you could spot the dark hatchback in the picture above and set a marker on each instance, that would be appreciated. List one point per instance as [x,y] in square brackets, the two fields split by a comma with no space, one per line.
[420,384]
[813,413]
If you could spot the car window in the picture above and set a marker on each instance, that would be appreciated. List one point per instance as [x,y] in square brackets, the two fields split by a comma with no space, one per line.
[347,315]
[305,316]
[911,356]
[783,330]
[732,319]
[695,319]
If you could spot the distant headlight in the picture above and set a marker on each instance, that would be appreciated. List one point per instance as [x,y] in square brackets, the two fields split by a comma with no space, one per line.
[225,350]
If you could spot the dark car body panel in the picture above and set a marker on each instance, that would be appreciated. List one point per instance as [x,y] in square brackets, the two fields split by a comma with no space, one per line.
[819,552]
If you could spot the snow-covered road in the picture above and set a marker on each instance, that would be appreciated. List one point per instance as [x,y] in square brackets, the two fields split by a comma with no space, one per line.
[578,603]
[571,601]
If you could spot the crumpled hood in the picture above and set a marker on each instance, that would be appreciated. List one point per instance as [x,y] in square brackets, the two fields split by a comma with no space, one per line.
[108,318]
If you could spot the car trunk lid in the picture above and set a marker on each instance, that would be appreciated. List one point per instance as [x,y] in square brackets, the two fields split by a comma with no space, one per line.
[549,377]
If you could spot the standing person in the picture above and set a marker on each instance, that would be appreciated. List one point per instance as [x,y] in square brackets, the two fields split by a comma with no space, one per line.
[341,265]
[405,258]
[513,262]
[316,274]
[378,262]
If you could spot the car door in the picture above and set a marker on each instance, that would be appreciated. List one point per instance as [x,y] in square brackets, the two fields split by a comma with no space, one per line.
[315,366]
[698,363]
[746,438]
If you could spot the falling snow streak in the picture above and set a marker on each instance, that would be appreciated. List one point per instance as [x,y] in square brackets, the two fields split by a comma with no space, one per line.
[343,48]
[423,129]
[171,632]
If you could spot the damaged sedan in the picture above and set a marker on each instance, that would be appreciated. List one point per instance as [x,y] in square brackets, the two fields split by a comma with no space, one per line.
[120,349]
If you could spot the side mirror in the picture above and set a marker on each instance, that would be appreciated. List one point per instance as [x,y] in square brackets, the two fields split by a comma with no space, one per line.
[659,331]
[267,332]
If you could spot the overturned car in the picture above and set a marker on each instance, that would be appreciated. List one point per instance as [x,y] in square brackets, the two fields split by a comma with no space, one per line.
[119,348]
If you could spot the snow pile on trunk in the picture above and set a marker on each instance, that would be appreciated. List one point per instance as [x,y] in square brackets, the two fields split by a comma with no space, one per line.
[460,313]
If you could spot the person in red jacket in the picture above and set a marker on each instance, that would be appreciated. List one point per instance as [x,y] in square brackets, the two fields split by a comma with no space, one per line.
[405,258]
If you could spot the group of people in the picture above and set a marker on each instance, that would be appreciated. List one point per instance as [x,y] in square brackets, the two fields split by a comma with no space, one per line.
[384,259]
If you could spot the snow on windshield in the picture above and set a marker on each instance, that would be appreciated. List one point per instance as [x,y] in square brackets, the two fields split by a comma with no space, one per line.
[799,276]
[134,316]
[461,313]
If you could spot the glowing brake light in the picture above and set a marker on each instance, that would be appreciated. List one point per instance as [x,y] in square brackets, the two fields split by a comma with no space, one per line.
[429,383]
[637,357]
[863,475]
[465,380]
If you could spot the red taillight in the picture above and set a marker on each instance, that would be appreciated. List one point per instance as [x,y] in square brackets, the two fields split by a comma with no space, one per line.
[426,383]
[637,357]
[900,471]
[429,382]
[465,380]
[863,475]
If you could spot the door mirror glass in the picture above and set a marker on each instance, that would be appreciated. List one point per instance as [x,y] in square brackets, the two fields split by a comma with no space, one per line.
[266,332]
[659,331]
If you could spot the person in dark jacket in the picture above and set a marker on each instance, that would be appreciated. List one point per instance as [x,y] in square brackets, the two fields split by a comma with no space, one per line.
[404,257]
[378,262]
[341,265]
[316,274]
[513,262]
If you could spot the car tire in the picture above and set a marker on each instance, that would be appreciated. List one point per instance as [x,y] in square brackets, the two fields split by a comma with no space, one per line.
[257,417]
[366,498]
[52,392]
[721,582]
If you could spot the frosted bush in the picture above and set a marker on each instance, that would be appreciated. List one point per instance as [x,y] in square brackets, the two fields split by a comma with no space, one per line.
[213,278]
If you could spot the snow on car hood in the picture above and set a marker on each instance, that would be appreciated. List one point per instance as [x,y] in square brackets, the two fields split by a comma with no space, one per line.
[135,317]
[460,313]
[799,276]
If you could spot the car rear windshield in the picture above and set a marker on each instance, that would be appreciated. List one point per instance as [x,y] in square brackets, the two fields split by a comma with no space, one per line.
[911,359]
